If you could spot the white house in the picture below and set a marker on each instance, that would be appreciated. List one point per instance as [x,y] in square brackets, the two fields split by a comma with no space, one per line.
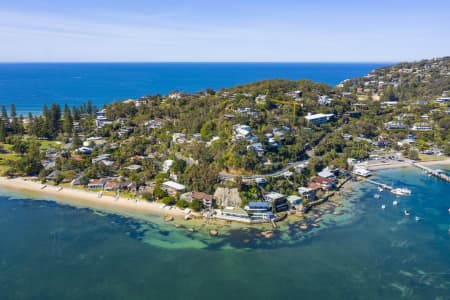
[318,119]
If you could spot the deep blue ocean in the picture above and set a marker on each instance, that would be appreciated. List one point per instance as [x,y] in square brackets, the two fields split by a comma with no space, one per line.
[30,86]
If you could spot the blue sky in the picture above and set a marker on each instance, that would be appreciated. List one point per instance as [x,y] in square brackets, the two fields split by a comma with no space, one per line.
[232,30]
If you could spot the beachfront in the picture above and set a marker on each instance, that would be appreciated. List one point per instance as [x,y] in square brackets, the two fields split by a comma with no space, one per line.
[83,198]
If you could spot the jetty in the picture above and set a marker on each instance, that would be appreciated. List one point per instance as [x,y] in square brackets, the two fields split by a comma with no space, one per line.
[382,185]
[395,191]
[436,173]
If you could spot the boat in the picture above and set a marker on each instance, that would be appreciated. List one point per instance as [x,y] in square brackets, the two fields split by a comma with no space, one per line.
[376,196]
[383,206]
[394,203]
[406,212]
[417,219]
[380,189]
[401,192]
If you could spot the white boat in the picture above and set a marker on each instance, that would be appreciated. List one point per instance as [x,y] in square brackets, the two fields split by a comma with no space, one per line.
[395,203]
[406,213]
[380,189]
[383,206]
[417,219]
[376,196]
[401,191]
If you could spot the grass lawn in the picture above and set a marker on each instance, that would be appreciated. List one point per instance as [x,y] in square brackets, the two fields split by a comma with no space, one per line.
[424,157]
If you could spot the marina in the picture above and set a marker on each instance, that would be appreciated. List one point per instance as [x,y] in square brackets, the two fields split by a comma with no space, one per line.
[436,173]
[393,190]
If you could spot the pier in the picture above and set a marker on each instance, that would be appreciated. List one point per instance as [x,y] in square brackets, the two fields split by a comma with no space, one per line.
[432,172]
[382,185]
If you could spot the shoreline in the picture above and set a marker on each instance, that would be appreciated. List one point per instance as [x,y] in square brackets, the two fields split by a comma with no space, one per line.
[139,208]
[87,199]
[404,164]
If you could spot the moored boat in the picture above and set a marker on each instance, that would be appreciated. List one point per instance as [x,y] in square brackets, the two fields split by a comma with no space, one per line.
[401,192]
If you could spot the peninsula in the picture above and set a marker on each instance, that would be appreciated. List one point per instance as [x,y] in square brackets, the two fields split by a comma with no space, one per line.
[253,153]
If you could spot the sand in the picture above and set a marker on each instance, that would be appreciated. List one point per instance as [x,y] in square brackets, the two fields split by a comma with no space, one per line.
[404,164]
[83,198]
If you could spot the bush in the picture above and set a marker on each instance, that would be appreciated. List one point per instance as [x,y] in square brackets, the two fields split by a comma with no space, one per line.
[159,193]
[196,205]
[182,204]
[148,196]
[168,200]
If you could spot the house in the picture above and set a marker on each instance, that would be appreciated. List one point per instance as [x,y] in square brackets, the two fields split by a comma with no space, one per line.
[442,100]
[279,202]
[108,162]
[167,164]
[207,200]
[140,101]
[174,95]
[154,124]
[314,186]
[242,130]
[173,187]
[260,211]
[318,119]
[353,114]
[100,119]
[111,186]
[257,148]
[361,172]
[421,127]
[294,200]
[96,183]
[133,167]
[394,125]
[388,104]
[324,100]
[100,158]
[325,183]
[179,138]
[258,207]
[327,173]
[85,150]
[307,193]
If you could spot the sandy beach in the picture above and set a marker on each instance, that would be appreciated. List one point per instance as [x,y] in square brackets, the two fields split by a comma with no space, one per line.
[376,165]
[88,199]
[82,198]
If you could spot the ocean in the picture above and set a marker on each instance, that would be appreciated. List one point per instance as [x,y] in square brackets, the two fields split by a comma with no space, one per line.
[30,86]
[52,251]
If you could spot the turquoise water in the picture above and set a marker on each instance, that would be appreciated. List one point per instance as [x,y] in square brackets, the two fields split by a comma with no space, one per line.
[30,86]
[51,251]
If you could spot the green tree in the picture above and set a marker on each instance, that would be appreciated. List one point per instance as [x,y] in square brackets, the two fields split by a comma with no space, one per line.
[196,205]
[68,121]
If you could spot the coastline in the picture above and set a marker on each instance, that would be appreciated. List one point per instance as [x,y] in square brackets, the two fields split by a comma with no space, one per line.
[141,208]
[87,199]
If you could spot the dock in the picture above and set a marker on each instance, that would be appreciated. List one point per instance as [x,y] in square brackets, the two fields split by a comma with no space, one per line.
[432,172]
[382,185]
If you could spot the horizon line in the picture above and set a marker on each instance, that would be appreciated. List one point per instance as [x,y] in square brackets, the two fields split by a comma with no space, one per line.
[197,62]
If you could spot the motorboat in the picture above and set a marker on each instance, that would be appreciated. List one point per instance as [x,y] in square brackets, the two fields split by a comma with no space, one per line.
[406,213]
[401,192]
[417,219]
[380,189]
[395,203]
[376,196]
[383,206]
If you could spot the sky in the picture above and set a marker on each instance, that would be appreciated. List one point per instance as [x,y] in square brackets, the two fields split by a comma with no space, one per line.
[232,30]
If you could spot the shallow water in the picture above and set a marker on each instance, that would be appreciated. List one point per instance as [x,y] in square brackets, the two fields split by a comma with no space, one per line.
[51,251]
